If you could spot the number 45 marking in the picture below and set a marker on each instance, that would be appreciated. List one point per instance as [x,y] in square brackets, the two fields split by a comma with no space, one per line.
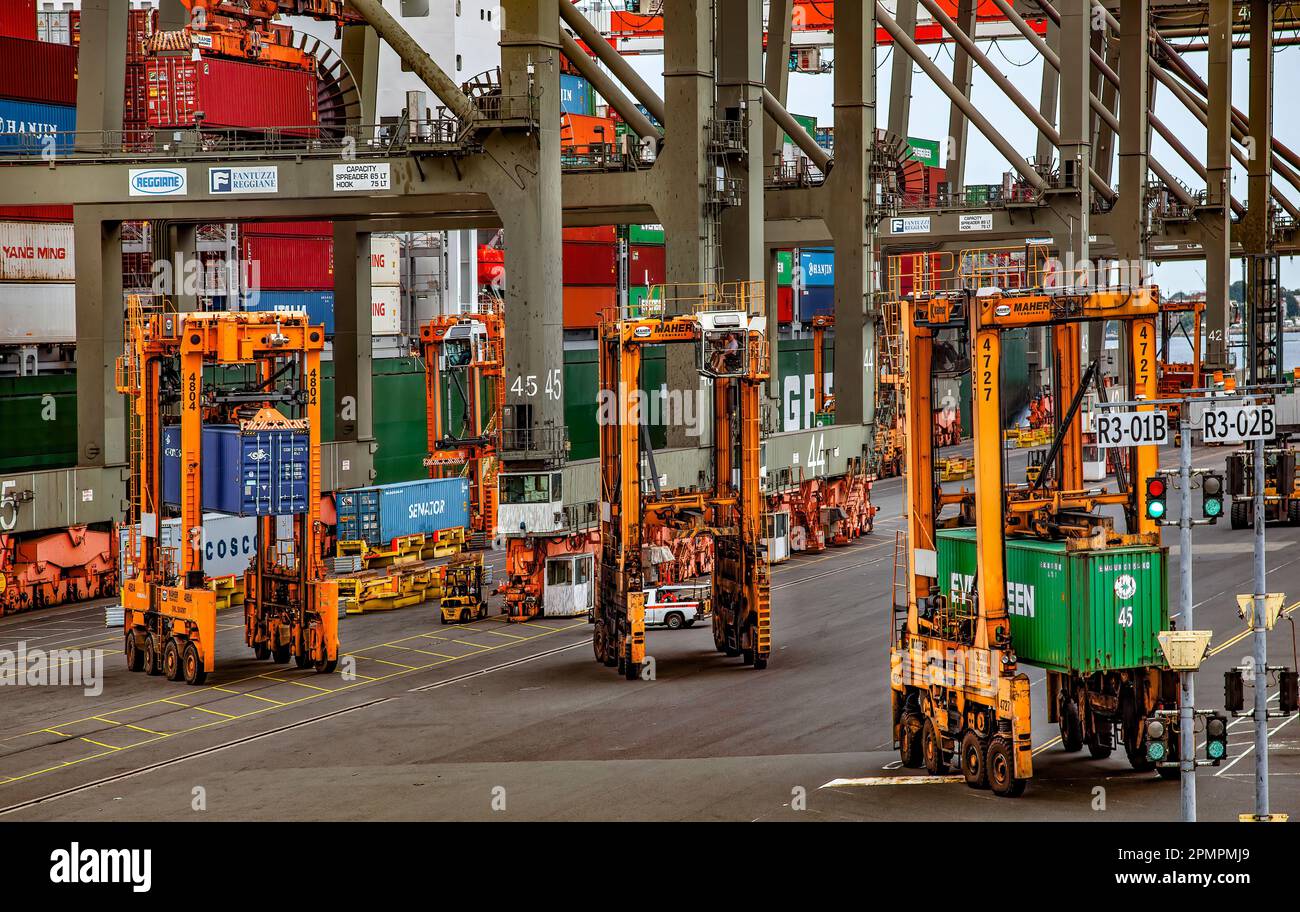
[527,385]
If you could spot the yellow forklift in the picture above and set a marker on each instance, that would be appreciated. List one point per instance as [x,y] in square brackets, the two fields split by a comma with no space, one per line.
[464,589]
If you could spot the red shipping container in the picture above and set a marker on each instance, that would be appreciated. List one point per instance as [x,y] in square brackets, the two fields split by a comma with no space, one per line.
[785,304]
[137,36]
[35,213]
[590,264]
[646,265]
[288,263]
[18,19]
[289,229]
[38,71]
[604,234]
[230,95]
[583,305]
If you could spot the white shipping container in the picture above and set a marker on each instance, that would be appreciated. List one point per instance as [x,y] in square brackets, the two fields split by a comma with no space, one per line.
[37,313]
[385,260]
[228,544]
[386,311]
[36,252]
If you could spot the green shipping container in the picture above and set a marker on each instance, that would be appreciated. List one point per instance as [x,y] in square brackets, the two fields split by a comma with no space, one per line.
[785,267]
[926,151]
[1072,611]
[808,122]
[645,234]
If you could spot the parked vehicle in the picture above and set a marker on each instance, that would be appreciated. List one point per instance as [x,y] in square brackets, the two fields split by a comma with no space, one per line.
[675,607]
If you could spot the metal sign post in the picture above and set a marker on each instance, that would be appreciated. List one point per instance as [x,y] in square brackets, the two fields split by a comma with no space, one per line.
[1187,702]
[1261,645]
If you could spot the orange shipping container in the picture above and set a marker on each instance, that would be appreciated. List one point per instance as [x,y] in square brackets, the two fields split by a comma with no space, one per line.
[582,131]
[583,304]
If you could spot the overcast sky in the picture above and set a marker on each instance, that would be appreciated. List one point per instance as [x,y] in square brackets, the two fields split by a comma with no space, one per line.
[811,94]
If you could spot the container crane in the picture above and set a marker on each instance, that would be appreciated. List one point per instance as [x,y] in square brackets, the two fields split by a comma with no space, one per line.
[728,330]
[290,609]
[974,609]
[469,351]
[247,31]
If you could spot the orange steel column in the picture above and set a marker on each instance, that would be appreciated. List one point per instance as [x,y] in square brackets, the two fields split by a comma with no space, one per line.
[1146,459]
[989,521]
[1069,463]
[918,455]
[191,458]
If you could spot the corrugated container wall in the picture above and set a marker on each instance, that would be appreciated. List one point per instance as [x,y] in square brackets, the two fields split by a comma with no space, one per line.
[36,252]
[385,260]
[38,71]
[231,95]
[228,545]
[37,313]
[30,127]
[583,304]
[647,265]
[816,301]
[18,18]
[818,267]
[576,96]
[317,305]
[590,264]
[1081,611]
[288,263]
[378,515]
[385,310]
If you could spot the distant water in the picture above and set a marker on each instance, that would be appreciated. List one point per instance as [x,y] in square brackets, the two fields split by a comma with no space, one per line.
[1181,350]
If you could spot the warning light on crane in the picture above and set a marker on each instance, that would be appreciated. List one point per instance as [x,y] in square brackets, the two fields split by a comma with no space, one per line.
[1156,491]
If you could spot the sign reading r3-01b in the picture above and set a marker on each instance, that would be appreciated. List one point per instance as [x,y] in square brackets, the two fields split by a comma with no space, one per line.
[1231,424]
[1127,429]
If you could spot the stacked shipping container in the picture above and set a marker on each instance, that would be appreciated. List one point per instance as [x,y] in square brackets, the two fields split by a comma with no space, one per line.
[590,275]
[230,95]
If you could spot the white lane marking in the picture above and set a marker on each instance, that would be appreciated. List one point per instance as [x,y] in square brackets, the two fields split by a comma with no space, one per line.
[870,781]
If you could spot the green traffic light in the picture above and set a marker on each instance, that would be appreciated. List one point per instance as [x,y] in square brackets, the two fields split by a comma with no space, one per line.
[1213,507]
[1155,751]
[1215,750]
[1155,509]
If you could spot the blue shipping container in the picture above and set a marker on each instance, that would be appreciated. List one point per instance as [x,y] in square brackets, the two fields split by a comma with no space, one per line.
[576,96]
[263,474]
[317,305]
[818,266]
[219,445]
[816,301]
[378,515]
[26,127]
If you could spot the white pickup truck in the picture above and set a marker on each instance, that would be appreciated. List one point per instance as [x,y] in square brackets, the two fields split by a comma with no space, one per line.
[675,607]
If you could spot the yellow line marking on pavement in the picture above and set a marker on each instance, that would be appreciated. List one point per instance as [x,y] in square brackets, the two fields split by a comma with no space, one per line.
[386,662]
[100,744]
[240,693]
[298,684]
[214,712]
[1042,747]
[321,693]
[502,633]
[475,645]
[149,731]
[868,781]
[421,651]
[175,703]
[54,732]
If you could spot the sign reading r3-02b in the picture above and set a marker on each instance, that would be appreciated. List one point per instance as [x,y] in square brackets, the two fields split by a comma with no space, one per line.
[1127,429]
[1231,424]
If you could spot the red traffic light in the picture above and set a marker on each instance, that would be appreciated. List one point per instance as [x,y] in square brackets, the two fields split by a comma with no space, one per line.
[1155,487]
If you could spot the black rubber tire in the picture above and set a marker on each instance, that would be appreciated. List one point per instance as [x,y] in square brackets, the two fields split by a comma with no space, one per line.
[690,624]
[932,749]
[172,660]
[280,654]
[1001,770]
[326,666]
[747,656]
[134,657]
[464,616]
[632,670]
[1097,751]
[192,666]
[1071,727]
[909,740]
[674,621]
[1137,758]
[302,661]
[971,759]
[152,664]
[262,652]
[760,662]
[1169,773]
[1293,511]
[1238,514]
[441,618]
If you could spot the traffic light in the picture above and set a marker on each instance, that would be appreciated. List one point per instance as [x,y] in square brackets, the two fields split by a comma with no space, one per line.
[1216,737]
[1157,740]
[1234,691]
[1212,496]
[1288,691]
[1156,491]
